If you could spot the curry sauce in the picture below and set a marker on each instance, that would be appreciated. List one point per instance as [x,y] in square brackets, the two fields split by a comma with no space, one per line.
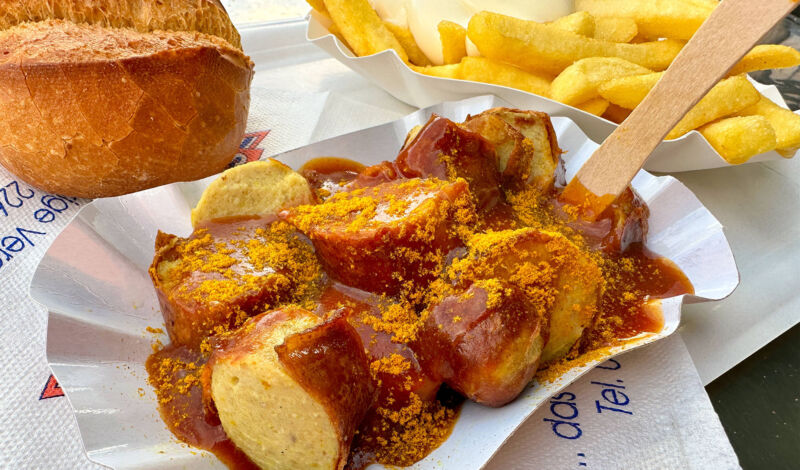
[393,297]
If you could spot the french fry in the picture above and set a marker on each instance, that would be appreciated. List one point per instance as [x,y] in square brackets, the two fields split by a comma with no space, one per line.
[729,96]
[738,139]
[363,28]
[596,106]
[333,29]
[616,113]
[785,122]
[441,71]
[578,82]
[766,57]
[708,5]
[536,46]
[319,5]
[614,29]
[454,41]
[579,22]
[403,34]
[787,152]
[677,19]
[481,69]
[628,92]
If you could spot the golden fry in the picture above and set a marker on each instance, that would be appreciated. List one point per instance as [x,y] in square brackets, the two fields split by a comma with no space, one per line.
[614,29]
[707,5]
[415,54]
[579,22]
[363,28]
[578,82]
[319,5]
[333,29]
[616,113]
[480,69]
[628,92]
[738,139]
[677,19]
[454,41]
[766,57]
[441,71]
[536,46]
[729,96]
[596,106]
[785,122]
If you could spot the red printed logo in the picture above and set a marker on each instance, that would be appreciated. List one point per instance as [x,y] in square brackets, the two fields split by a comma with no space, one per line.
[51,389]
[248,149]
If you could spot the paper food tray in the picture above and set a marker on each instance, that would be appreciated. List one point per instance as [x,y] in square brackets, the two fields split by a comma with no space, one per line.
[95,284]
[689,152]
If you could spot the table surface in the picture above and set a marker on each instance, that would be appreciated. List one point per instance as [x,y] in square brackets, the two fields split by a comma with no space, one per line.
[758,401]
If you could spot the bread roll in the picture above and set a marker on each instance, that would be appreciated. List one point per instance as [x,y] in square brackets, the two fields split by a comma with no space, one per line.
[90,110]
[290,391]
[204,16]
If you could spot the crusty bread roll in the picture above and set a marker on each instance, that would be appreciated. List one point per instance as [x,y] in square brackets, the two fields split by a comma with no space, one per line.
[204,16]
[91,110]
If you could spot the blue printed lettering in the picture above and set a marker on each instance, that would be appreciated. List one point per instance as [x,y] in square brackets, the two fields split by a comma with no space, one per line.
[18,190]
[44,216]
[55,203]
[568,408]
[565,429]
[563,407]
[614,365]
[12,244]
[22,232]
[562,396]
[615,397]
[600,408]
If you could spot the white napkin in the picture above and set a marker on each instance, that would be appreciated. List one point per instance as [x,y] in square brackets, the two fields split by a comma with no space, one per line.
[644,409]
[672,424]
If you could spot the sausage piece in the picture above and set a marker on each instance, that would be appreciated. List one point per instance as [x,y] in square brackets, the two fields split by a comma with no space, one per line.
[485,342]
[558,279]
[227,271]
[389,237]
[290,390]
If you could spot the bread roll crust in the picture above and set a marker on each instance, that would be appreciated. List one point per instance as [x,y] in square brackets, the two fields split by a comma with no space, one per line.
[91,111]
[204,16]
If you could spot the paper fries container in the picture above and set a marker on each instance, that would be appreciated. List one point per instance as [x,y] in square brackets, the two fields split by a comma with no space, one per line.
[95,284]
[689,152]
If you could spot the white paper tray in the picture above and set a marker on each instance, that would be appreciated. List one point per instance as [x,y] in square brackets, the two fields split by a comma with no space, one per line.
[689,152]
[95,284]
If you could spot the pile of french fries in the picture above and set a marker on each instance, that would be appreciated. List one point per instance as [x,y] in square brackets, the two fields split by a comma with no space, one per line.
[603,59]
